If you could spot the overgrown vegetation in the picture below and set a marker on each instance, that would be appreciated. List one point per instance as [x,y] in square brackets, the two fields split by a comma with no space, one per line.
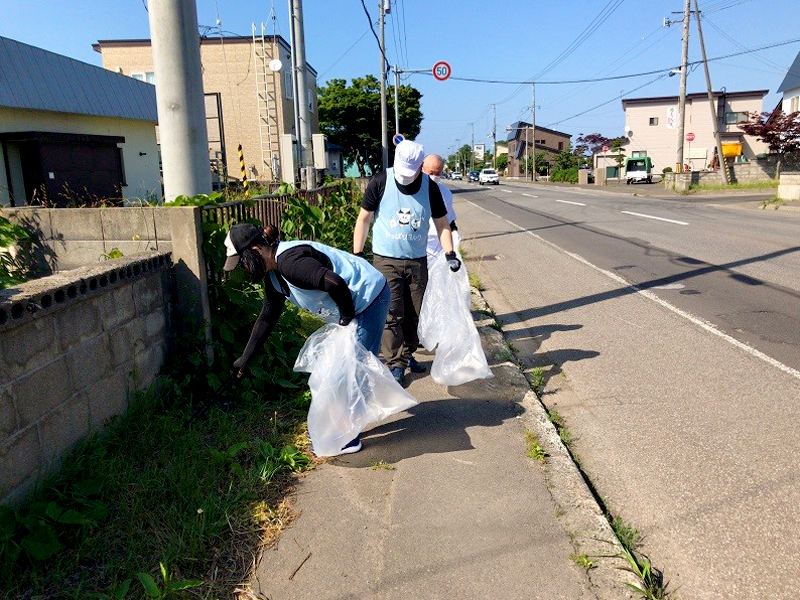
[160,507]
[12,270]
[536,380]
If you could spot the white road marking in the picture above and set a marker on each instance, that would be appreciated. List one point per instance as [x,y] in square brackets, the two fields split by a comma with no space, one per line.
[699,321]
[507,191]
[669,286]
[635,214]
[529,195]
[570,202]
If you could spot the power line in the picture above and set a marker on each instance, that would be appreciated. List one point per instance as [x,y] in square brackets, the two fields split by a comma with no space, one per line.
[372,28]
[608,101]
[587,31]
[345,53]
[615,77]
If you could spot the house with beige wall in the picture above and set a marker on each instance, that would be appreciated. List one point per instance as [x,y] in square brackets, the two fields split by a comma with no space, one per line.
[651,126]
[247,102]
[73,133]
[790,88]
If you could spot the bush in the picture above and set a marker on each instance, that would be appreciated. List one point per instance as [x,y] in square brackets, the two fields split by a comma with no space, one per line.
[666,170]
[566,175]
[12,271]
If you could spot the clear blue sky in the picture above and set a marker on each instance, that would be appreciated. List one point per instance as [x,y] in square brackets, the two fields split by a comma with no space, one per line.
[505,39]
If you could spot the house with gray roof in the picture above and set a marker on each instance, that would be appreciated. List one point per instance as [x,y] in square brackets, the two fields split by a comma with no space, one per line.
[72,133]
[790,88]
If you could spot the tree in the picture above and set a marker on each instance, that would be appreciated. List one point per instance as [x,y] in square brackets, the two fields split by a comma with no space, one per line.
[461,160]
[780,131]
[616,146]
[591,143]
[502,162]
[541,163]
[350,117]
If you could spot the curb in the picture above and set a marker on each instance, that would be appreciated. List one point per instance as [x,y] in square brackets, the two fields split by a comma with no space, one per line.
[578,511]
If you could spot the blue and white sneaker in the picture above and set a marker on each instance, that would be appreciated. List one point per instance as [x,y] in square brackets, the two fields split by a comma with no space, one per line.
[399,374]
[353,446]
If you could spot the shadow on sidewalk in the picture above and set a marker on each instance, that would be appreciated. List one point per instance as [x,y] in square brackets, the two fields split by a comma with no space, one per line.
[437,426]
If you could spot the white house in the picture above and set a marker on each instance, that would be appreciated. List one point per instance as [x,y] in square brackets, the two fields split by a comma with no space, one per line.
[790,88]
[70,131]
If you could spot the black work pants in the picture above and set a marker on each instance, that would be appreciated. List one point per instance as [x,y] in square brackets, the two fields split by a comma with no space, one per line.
[407,279]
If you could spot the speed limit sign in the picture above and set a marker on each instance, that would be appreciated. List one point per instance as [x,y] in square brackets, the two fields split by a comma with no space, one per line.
[441,70]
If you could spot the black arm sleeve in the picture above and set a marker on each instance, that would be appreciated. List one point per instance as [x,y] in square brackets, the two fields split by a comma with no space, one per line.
[338,290]
[453,226]
[265,323]
[374,192]
[310,269]
[438,209]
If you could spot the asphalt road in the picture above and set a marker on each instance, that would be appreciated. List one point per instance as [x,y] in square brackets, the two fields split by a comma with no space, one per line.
[670,335]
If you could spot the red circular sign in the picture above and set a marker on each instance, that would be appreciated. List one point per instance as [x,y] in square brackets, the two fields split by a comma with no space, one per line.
[441,70]
[606,148]
[689,137]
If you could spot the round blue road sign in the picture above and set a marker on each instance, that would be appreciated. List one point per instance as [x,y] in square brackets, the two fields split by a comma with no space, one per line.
[398,137]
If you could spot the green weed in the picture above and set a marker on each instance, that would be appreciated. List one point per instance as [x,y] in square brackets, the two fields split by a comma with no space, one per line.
[653,585]
[382,465]
[582,560]
[563,431]
[626,533]
[475,282]
[169,587]
[534,448]
[775,202]
[536,379]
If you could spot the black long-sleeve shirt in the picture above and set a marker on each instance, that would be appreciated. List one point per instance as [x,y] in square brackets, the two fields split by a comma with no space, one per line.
[307,268]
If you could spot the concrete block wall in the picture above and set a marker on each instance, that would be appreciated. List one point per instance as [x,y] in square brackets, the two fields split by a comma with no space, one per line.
[789,187]
[71,238]
[74,347]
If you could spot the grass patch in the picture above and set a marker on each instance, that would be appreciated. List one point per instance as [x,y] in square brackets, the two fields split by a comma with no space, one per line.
[652,586]
[382,465]
[534,448]
[626,533]
[745,185]
[582,560]
[158,503]
[563,431]
[497,326]
[536,380]
[475,282]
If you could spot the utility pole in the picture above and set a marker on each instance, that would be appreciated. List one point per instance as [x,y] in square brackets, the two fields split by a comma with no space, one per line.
[711,104]
[384,136]
[472,149]
[179,98]
[396,100]
[533,119]
[494,136]
[682,101]
[307,177]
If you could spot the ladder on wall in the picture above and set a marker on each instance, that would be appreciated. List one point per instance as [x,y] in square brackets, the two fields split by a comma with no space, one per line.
[267,100]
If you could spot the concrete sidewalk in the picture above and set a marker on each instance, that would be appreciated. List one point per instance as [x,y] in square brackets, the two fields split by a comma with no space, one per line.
[442,502]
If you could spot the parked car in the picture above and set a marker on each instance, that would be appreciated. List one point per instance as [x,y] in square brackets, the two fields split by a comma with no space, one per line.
[456,175]
[488,176]
[638,169]
[473,176]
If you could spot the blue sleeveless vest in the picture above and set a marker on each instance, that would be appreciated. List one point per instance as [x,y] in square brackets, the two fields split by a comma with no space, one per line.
[402,221]
[364,281]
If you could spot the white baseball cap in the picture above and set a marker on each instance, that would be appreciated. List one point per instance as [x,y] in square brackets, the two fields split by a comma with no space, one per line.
[408,157]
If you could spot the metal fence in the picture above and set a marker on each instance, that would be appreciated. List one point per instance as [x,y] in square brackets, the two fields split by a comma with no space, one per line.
[266,209]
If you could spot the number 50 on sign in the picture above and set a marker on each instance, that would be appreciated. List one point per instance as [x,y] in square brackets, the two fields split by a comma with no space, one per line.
[441,70]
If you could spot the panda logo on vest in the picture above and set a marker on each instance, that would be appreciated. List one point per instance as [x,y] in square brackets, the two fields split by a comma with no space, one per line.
[404,216]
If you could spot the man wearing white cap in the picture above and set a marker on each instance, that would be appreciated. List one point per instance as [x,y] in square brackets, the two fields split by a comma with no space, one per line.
[402,201]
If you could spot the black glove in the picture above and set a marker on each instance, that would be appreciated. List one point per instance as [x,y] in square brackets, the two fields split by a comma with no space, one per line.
[452,261]
[345,320]
[239,366]
[359,254]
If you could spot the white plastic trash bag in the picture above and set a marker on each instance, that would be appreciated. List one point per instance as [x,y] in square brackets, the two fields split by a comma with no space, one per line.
[446,326]
[350,388]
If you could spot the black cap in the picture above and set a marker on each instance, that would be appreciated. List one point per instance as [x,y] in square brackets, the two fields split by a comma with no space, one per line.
[239,238]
